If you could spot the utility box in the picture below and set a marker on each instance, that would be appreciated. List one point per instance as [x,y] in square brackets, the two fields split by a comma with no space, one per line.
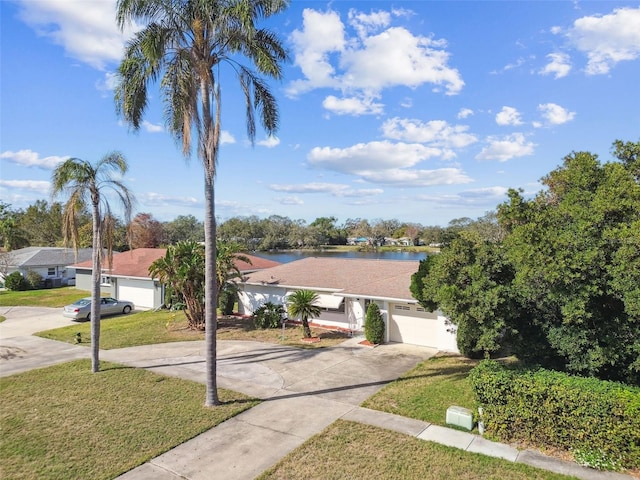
[460,417]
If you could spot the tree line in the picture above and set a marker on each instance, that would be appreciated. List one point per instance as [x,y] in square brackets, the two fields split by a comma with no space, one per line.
[41,225]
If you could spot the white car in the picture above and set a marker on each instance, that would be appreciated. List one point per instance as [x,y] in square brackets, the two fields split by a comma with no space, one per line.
[81,310]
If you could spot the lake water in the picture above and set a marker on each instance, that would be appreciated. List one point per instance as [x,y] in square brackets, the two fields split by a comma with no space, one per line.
[293,255]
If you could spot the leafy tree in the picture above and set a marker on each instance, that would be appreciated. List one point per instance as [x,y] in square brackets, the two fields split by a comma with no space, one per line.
[185,44]
[269,315]
[470,282]
[182,270]
[302,304]
[11,235]
[42,223]
[146,231]
[374,324]
[183,228]
[227,271]
[86,185]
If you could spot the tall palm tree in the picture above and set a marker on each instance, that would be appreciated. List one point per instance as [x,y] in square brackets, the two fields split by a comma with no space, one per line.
[184,44]
[302,303]
[86,185]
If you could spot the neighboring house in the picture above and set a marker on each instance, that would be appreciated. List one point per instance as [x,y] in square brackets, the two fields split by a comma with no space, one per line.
[50,262]
[345,288]
[128,278]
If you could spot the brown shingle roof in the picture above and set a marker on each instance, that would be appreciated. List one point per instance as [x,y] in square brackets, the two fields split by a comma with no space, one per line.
[354,277]
[136,262]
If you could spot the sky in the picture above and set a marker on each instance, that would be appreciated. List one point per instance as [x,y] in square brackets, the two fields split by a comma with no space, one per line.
[420,111]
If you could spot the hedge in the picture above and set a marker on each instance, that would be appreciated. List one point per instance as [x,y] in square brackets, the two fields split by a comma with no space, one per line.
[547,408]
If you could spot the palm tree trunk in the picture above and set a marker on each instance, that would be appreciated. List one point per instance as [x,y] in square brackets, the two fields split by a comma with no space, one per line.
[211,294]
[95,290]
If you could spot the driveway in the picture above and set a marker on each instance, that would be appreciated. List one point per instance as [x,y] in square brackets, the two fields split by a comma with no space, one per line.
[21,351]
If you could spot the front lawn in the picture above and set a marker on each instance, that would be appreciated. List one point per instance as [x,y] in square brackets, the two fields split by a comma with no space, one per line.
[48,297]
[354,450]
[426,391]
[151,327]
[66,422]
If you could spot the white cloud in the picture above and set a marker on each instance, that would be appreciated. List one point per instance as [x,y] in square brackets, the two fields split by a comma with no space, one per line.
[435,132]
[464,113]
[365,23]
[28,158]
[374,155]
[387,163]
[508,116]
[269,142]
[151,127]
[377,57]
[39,186]
[488,196]
[607,39]
[352,106]
[86,30]
[505,148]
[555,114]
[334,189]
[226,137]
[163,200]
[559,65]
[290,201]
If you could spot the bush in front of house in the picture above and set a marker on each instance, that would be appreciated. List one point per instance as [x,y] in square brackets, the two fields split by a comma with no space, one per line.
[16,282]
[599,421]
[268,315]
[374,325]
[34,280]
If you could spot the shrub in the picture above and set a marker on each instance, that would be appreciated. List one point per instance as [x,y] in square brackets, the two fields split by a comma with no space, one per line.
[374,324]
[268,315]
[16,282]
[227,300]
[34,280]
[598,420]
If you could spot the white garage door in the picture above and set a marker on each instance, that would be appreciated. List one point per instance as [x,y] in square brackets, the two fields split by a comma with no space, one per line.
[140,293]
[412,324]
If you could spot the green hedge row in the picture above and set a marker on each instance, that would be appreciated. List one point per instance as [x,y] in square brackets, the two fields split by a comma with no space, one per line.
[547,408]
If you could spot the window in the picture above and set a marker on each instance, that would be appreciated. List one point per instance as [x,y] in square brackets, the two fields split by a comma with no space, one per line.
[402,307]
[51,271]
[105,281]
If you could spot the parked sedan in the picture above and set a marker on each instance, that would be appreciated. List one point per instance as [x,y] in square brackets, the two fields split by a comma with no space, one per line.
[81,310]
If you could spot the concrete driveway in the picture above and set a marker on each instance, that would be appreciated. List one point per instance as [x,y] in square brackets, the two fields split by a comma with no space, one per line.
[21,351]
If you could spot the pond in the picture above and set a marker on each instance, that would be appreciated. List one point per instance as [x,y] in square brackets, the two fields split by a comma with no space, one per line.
[293,255]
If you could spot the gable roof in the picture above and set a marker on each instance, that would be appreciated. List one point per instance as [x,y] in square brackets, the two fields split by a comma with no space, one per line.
[31,257]
[135,263]
[349,277]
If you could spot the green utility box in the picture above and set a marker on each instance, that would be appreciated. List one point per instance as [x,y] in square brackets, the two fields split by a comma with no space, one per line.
[460,417]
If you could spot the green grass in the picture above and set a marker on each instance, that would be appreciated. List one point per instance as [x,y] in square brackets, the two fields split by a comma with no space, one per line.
[49,297]
[151,327]
[347,450]
[428,390]
[65,422]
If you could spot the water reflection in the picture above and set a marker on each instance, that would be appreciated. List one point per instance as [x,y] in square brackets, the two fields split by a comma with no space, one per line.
[293,255]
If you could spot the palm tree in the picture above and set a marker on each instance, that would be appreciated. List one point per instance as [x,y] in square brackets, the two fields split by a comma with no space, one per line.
[182,269]
[302,303]
[184,44]
[227,254]
[86,185]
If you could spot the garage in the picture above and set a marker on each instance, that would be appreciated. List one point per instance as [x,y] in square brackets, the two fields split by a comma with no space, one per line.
[410,323]
[141,293]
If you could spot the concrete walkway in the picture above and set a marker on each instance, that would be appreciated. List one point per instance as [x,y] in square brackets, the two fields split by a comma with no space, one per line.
[304,391]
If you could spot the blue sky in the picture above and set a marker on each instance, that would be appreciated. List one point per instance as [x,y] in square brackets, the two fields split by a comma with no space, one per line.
[421,111]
